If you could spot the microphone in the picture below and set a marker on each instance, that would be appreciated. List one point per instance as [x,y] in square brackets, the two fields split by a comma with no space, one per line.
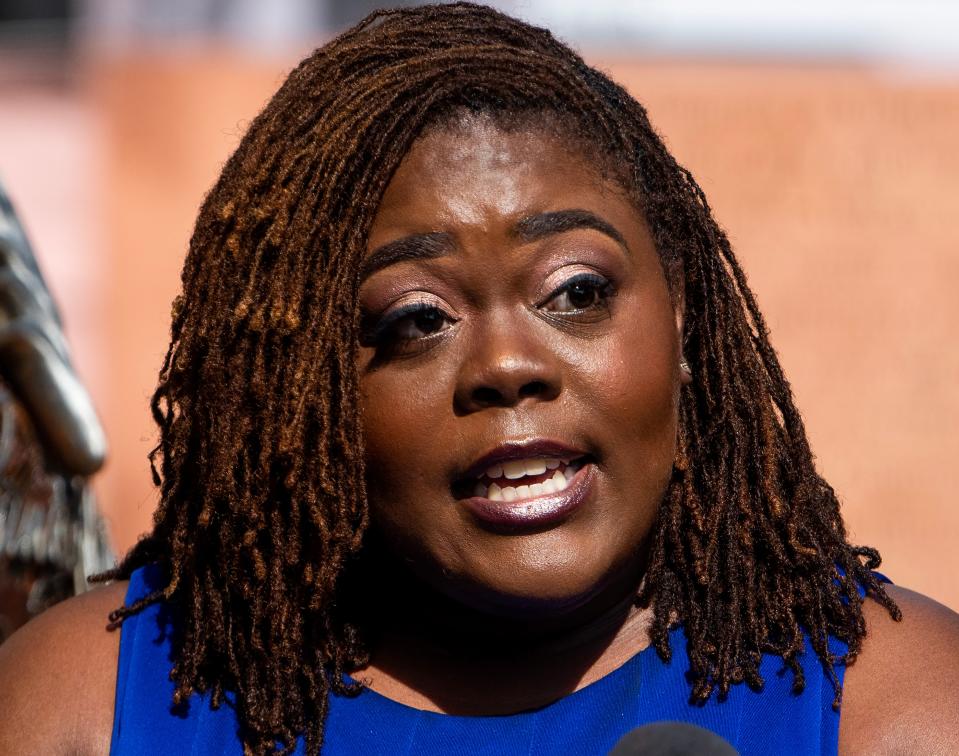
[672,739]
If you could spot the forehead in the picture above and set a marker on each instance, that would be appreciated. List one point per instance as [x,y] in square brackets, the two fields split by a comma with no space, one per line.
[475,171]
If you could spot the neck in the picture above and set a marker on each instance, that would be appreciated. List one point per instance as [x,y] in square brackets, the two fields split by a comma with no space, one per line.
[435,653]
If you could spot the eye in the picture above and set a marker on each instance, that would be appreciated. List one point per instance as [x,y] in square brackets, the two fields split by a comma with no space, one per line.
[582,292]
[412,322]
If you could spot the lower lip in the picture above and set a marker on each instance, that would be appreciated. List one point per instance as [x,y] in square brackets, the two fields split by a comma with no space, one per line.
[537,512]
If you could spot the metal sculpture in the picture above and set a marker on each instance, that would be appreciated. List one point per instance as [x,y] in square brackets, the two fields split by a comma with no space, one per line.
[51,535]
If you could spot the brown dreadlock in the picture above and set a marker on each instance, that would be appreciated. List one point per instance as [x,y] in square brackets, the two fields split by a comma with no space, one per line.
[260,458]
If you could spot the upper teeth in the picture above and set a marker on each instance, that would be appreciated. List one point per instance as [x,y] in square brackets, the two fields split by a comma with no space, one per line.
[518,468]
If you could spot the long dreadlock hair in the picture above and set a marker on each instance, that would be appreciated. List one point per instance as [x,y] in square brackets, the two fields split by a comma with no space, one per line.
[260,456]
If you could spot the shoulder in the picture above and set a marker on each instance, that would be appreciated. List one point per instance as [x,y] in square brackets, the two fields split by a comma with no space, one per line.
[57,677]
[902,694]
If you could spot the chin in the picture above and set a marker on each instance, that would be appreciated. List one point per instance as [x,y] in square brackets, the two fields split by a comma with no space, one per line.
[528,588]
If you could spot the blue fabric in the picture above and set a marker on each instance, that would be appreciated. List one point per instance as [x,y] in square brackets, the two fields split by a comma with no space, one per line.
[589,721]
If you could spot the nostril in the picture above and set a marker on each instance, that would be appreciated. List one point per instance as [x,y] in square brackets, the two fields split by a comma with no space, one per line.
[533,388]
[487,395]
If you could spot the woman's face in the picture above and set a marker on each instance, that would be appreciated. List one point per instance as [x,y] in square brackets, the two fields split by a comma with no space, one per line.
[519,372]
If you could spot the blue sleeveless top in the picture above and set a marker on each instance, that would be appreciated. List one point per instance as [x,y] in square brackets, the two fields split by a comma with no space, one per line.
[588,721]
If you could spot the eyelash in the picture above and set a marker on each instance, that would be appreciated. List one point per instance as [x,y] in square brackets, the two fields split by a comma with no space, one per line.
[379,334]
[595,282]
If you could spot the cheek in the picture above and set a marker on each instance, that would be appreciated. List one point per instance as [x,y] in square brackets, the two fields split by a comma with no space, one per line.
[403,420]
[408,432]
[642,392]
[632,385]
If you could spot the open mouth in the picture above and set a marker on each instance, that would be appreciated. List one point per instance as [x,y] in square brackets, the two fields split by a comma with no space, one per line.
[518,479]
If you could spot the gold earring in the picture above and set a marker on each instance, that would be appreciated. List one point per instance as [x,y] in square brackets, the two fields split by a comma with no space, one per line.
[684,366]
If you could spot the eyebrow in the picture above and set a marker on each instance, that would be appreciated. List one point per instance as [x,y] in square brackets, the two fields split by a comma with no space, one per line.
[413,247]
[435,244]
[557,222]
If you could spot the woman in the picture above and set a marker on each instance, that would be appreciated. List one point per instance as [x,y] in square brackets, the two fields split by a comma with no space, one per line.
[472,439]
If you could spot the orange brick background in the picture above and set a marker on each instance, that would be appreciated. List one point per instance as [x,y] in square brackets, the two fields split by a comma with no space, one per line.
[838,185]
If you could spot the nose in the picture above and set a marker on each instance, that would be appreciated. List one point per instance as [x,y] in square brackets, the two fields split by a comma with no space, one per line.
[506,366]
